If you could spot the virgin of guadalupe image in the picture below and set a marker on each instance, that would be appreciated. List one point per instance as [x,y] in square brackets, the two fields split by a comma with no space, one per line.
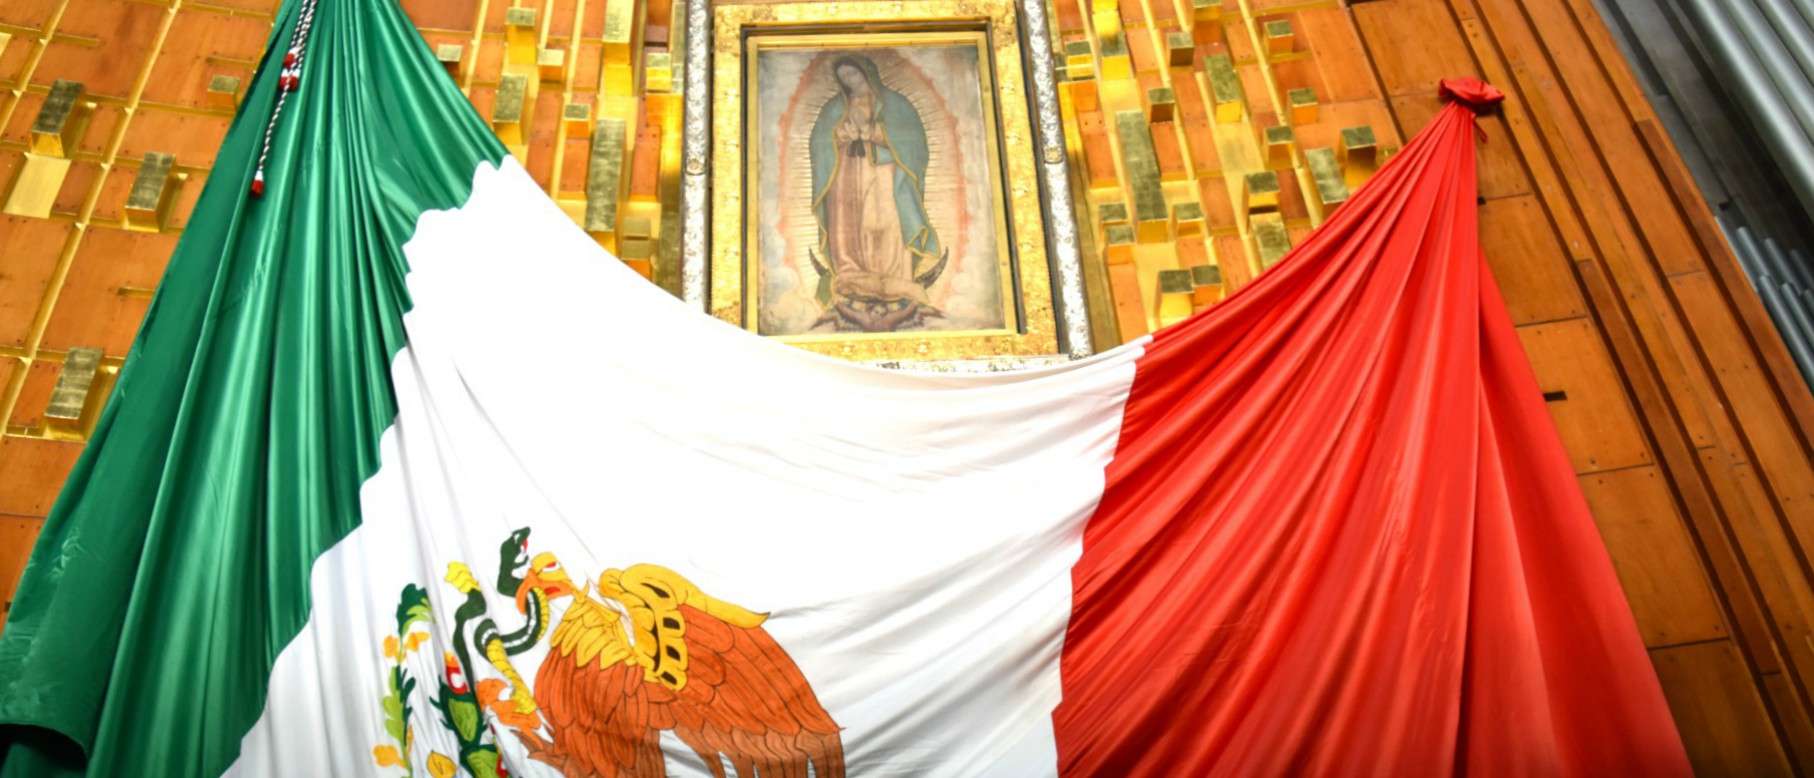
[877,252]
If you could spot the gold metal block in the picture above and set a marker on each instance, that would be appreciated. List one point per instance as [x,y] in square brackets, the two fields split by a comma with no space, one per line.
[1187,220]
[1079,60]
[551,64]
[1175,290]
[1118,244]
[658,72]
[636,228]
[643,267]
[1359,148]
[153,190]
[1278,36]
[618,80]
[1116,60]
[1206,284]
[1181,51]
[664,109]
[1084,96]
[70,395]
[1161,104]
[1262,192]
[578,117]
[620,31]
[1225,88]
[630,250]
[34,189]
[1302,105]
[507,111]
[1331,189]
[1271,241]
[451,55]
[1281,147]
[1206,20]
[604,179]
[519,36]
[58,129]
[1112,214]
[1141,161]
[223,92]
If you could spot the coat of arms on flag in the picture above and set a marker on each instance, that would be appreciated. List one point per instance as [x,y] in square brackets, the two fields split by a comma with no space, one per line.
[638,652]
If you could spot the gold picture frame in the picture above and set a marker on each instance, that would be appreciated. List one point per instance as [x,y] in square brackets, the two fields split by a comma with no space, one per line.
[1027,325]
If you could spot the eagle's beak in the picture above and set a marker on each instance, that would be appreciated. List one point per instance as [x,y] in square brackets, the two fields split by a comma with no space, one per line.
[546,576]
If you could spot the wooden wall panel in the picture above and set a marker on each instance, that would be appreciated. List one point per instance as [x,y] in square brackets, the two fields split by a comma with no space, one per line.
[17,534]
[1671,596]
[1709,542]
[32,248]
[129,31]
[108,290]
[1723,720]
[33,471]
[1596,420]
[1534,274]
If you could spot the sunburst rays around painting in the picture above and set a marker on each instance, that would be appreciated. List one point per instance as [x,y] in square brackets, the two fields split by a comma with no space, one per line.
[943,84]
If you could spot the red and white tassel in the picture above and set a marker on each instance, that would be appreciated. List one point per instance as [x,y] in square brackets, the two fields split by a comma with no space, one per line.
[289,79]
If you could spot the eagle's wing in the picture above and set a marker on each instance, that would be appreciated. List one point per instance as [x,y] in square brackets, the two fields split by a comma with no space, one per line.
[736,692]
[597,704]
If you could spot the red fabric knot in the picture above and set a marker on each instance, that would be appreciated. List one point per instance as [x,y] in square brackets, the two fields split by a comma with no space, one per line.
[1475,93]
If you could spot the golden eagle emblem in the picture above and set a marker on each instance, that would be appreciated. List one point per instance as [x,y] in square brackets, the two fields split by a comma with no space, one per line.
[641,651]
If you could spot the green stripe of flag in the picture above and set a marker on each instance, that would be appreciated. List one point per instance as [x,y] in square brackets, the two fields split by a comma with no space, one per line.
[175,566]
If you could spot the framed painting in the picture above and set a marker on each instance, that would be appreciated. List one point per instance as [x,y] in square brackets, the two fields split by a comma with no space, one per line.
[875,189]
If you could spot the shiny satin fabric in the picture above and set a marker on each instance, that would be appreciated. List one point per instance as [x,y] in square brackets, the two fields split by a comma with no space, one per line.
[175,564]
[1340,535]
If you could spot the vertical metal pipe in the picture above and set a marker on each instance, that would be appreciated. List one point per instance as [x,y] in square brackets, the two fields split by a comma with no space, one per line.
[1803,270]
[1800,349]
[1792,88]
[1744,78]
[1794,32]
[1739,238]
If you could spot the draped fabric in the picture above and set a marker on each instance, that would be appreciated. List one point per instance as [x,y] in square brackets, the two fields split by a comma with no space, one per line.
[1341,486]
[175,564]
[404,475]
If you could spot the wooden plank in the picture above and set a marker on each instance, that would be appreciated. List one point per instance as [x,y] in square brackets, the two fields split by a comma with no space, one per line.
[1734,286]
[34,397]
[1671,597]
[194,139]
[1534,273]
[1130,311]
[126,32]
[17,534]
[32,473]
[95,307]
[180,74]
[1414,43]
[32,249]
[1339,58]
[1794,719]
[1772,614]
[1720,714]
[1596,420]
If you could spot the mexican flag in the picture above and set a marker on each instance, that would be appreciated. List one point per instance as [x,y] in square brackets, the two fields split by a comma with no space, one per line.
[405,476]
